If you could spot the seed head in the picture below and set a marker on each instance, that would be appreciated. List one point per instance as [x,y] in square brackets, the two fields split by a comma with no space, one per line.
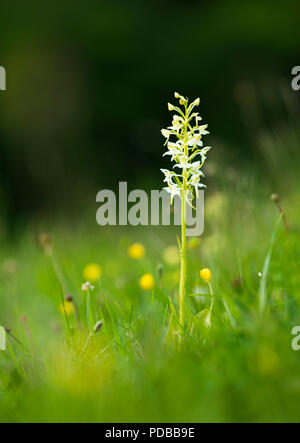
[98,326]
[85,287]
[160,269]
[275,198]
[69,297]
[45,242]
[236,283]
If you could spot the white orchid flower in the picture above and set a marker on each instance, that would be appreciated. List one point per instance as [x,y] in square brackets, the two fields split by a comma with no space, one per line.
[166,133]
[196,169]
[173,190]
[195,140]
[174,149]
[168,175]
[202,130]
[177,123]
[183,162]
[174,152]
[205,150]
[187,152]
[203,153]
[195,178]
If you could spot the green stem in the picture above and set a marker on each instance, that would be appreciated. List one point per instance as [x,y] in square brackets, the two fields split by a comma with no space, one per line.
[65,313]
[89,313]
[183,260]
[88,301]
[212,295]
[183,234]
[58,271]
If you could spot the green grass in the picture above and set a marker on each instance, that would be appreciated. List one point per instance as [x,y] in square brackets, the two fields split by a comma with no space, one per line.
[241,369]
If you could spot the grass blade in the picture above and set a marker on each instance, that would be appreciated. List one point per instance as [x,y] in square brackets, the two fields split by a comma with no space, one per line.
[264,279]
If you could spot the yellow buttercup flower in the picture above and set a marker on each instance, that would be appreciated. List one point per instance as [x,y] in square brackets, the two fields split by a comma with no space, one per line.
[67,307]
[205,274]
[147,282]
[171,255]
[92,272]
[136,251]
[193,243]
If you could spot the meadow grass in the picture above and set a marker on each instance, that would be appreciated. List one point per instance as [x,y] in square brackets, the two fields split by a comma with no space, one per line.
[241,367]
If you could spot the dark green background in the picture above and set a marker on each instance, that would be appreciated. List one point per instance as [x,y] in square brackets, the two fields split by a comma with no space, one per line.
[88,83]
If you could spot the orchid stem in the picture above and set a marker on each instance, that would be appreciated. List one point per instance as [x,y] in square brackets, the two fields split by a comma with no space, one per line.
[183,262]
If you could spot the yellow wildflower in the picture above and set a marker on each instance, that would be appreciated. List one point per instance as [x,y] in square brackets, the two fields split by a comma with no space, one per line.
[205,274]
[171,255]
[136,251]
[92,272]
[147,282]
[193,243]
[67,307]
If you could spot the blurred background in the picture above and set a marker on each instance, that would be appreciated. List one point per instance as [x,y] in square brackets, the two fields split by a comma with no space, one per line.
[88,84]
